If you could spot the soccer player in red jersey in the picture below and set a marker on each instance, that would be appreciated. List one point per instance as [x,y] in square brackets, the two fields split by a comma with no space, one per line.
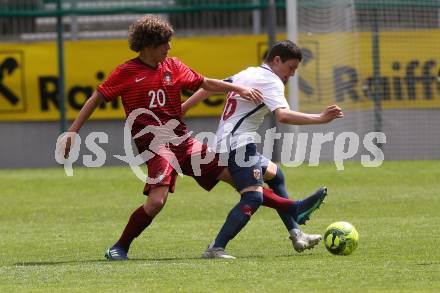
[153,82]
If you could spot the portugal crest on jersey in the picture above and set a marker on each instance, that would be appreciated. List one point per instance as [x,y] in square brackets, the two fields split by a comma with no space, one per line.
[168,78]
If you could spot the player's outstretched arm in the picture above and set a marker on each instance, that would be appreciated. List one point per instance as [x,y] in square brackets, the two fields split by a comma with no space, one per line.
[89,107]
[215,85]
[196,98]
[284,115]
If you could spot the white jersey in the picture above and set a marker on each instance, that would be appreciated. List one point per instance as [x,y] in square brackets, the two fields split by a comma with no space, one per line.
[241,118]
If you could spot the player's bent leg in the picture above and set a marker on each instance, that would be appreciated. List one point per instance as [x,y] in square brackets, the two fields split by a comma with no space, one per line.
[248,180]
[310,204]
[156,200]
[274,178]
[270,199]
[303,209]
[269,171]
[139,220]
[300,240]
[251,199]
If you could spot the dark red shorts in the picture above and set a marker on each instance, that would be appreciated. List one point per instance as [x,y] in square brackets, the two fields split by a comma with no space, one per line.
[194,159]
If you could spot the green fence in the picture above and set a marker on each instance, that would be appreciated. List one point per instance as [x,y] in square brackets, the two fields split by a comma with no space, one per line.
[35,19]
[36,8]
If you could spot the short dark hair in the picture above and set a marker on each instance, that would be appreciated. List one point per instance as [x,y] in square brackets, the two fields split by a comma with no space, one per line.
[149,31]
[286,50]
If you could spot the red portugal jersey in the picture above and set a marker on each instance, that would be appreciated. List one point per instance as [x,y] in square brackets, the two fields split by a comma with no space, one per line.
[155,89]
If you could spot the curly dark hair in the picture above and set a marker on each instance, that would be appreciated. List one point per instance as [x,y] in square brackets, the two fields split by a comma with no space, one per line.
[149,31]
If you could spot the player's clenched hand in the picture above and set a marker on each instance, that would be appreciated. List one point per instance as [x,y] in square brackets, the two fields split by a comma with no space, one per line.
[66,142]
[251,94]
[331,112]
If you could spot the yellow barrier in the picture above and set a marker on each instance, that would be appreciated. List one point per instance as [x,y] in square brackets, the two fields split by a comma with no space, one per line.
[31,82]
[28,72]
[338,68]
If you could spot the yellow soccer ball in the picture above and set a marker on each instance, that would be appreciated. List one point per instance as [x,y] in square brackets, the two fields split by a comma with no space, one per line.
[341,238]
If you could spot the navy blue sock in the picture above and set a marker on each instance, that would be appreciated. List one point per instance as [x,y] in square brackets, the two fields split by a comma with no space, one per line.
[238,217]
[277,184]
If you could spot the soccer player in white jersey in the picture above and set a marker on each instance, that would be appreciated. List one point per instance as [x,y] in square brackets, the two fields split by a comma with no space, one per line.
[236,137]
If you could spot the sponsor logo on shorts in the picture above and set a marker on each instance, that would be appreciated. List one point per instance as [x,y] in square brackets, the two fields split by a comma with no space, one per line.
[257,174]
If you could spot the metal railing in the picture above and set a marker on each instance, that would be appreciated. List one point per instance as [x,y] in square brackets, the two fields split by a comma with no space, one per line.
[36,19]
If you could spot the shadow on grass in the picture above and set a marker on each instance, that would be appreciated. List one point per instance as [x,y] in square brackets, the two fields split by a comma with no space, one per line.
[428,263]
[153,259]
[95,261]
[52,263]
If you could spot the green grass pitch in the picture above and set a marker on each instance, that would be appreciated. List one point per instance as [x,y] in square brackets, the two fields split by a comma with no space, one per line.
[54,231]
